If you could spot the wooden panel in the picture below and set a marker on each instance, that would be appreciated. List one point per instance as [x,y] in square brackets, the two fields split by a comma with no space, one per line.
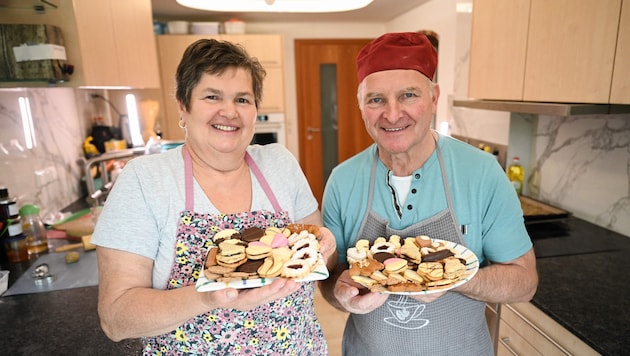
[516,342]
[620,89]
[273,91]
[571,50]
[549,328]
[267,48]
[498,49]
[99,63]
[135,43]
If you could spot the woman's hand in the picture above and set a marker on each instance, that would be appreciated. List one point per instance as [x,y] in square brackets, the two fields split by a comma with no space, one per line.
[247,299]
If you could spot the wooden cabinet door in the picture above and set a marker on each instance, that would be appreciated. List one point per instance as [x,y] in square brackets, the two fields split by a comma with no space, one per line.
[135,43]
[98,58]
[498,49]
[117,43]
[571,50]
[620,89]
[273,91]
[267,48]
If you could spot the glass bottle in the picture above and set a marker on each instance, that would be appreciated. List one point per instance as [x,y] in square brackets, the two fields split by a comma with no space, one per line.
[15,241]
[34,229]
[516,175]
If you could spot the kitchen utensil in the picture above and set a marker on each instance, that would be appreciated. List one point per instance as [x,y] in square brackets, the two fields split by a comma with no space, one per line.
[85,243]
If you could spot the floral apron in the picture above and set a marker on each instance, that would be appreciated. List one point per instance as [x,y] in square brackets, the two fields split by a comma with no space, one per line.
[451,325]
[284,327]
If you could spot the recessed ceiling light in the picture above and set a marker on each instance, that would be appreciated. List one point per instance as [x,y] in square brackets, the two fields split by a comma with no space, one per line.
[275,5]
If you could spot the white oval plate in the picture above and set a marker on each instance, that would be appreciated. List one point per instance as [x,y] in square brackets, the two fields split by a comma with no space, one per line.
[472,266]
[208,285]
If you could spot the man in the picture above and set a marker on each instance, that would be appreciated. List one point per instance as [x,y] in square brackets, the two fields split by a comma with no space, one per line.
[411,182]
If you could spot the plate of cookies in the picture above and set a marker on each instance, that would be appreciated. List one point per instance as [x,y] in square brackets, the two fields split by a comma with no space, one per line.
[411,265]
[257,256]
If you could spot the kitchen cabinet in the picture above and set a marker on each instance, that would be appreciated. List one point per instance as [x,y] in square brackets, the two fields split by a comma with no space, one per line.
[109,43]
[620,90]
[268,48]
[544,50]
[525,330]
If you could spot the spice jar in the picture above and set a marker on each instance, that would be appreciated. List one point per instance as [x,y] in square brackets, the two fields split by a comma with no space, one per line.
[34,230]
[15,241]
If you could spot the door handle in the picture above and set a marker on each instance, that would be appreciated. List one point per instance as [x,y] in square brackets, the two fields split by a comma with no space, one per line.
[310,130]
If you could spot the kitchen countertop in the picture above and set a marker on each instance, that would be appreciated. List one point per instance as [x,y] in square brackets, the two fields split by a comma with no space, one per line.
[582,286]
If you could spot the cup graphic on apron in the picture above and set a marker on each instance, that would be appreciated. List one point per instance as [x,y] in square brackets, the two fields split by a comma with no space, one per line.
[405,313]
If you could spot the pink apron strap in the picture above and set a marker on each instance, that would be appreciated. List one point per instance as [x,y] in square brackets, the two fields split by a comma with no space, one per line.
[188,180]
[263,182]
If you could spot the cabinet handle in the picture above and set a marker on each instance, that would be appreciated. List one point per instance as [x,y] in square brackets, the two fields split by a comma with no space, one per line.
[505,341]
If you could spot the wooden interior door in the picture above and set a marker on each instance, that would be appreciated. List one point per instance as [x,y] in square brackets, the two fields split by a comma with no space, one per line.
[316,99]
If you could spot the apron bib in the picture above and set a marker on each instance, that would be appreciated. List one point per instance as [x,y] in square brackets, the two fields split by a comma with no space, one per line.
[451,325]
[284,327]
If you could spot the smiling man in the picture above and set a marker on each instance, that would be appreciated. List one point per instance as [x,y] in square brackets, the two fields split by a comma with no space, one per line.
[413,181]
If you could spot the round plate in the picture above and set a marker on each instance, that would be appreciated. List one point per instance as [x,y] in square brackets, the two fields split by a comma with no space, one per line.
[472,266]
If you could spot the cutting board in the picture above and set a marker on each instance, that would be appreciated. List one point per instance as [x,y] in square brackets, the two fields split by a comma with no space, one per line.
[77,225]
[83,273]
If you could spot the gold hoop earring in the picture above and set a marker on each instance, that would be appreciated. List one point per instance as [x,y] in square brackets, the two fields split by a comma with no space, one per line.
[181,124]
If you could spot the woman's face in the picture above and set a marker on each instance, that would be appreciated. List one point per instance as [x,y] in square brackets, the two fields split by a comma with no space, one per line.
[222,113]
[397,108]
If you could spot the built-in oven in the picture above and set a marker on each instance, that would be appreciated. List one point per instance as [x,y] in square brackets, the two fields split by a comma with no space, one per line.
[270,128]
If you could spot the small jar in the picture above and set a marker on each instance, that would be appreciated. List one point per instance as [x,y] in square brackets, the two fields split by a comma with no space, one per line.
[15,241]
[34,230]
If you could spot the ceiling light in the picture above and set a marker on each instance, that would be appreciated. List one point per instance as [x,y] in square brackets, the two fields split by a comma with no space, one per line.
[275,5]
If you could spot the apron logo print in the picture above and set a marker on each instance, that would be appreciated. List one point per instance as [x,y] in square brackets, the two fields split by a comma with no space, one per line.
[405,314]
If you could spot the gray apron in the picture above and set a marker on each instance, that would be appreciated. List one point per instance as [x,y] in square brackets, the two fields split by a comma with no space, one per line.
[451,325]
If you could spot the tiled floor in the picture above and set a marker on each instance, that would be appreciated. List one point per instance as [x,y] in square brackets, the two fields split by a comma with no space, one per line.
[333,322]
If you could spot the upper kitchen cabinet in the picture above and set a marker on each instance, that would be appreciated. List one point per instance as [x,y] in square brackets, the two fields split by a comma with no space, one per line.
[544,50]
[620,90]
[267,48]
[109,43]
[498,49]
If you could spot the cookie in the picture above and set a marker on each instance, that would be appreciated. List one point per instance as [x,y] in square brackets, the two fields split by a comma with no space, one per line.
[250,266]
[225,234]
[296,268]
[211,260]
[355,255]
[252,234]
[432,271]
[395,265]
[257,252]
[437,255]
[310,255]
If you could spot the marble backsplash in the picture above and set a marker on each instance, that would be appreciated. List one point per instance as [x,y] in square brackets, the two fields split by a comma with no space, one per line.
[42,165]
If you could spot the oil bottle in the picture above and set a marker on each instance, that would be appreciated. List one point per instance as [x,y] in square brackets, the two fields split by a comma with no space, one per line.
[516,175]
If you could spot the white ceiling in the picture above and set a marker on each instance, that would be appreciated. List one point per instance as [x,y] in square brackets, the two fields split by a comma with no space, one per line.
[377,11]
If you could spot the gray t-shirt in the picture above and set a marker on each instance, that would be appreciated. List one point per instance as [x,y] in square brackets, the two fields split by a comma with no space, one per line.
[142,211]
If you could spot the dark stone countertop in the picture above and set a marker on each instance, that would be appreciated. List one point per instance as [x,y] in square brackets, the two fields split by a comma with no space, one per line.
[63,322]
[583,285]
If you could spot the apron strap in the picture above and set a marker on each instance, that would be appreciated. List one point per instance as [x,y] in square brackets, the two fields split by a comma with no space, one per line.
[188,180]
[263,182]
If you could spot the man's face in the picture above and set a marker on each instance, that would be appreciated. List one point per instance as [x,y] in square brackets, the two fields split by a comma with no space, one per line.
[397,108]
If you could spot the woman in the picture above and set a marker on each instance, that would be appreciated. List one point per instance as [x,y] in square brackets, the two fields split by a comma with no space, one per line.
[155,229]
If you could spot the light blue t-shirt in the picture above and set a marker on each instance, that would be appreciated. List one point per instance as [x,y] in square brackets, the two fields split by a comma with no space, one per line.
[485,202]
[142,211]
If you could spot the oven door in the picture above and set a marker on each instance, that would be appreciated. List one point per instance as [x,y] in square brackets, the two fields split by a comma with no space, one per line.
[269,132]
